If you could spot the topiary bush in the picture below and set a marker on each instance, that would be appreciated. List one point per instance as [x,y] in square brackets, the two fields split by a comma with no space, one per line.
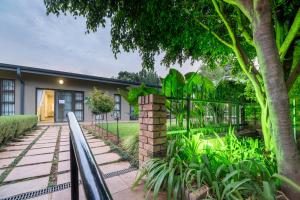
[15,126]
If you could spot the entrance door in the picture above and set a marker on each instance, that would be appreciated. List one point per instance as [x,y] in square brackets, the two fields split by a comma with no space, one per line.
[64,104]
[45,105]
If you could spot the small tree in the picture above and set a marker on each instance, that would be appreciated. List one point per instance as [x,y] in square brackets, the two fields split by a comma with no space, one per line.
[100,103]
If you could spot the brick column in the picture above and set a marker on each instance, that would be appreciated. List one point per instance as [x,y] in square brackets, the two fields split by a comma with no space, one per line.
[152,118]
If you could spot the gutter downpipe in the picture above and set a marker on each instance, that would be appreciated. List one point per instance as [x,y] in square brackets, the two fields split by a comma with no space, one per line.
[22,90]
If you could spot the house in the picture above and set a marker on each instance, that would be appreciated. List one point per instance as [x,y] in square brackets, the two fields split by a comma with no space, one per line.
[50,94]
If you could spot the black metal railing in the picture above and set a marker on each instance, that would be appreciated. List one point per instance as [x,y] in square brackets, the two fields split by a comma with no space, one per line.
[83,161]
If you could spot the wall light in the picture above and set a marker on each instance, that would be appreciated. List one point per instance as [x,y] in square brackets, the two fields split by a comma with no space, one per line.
[61,82]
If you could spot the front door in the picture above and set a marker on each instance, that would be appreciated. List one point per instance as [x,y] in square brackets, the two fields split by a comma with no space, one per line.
[64,104]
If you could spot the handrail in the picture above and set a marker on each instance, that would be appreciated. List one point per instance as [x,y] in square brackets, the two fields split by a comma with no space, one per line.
[82,160]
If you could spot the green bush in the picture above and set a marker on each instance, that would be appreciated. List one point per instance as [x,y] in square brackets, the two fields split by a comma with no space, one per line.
[232,168]
[14,126]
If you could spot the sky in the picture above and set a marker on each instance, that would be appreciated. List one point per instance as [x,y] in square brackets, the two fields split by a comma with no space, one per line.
[29,37]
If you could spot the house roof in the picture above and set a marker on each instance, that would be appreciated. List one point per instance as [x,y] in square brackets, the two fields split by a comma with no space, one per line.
[48,72]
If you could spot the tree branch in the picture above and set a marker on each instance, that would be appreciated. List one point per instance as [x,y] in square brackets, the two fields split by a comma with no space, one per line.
[290,36]
[226,23]
[244,32]
[214,34]
[292,77]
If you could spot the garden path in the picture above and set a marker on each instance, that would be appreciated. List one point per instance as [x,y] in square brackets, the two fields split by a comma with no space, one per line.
[37,166]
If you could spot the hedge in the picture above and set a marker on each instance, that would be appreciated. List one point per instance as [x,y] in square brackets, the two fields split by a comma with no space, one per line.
[15,126]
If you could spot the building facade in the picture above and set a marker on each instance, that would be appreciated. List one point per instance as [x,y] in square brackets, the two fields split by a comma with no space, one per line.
[51,94]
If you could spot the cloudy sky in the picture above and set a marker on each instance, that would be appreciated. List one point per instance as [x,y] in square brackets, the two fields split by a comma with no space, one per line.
[31,38]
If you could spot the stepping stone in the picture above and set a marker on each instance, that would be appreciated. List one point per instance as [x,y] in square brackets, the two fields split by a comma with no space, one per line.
[106,158]
[99,150]
[129,177]
[66,194]
[63,178]
[26,160]
[40,151]
[29,171]
[10,154]
[93,140]
[63,166]
[12,148]
[113,167]
[22,143]
[97,144]
[64,156]
[115,184]
[46,142]
[6,162]
[64,143]
[64,148]
[1,171]
[129,194]
[22,187]
[38,146]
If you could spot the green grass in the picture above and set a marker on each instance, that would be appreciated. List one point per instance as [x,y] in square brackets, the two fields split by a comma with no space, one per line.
[125,128]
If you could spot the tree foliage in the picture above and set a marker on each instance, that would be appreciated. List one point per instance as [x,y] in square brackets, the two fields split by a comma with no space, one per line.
[99,102]
[145,76]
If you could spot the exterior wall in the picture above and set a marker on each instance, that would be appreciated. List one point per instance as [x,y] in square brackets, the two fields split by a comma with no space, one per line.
[34,82]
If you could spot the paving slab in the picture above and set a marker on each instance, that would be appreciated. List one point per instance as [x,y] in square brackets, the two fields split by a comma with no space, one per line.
[46,142]
[21,142]
[29,171]
[99,150]
[64,143]
[40,151]
[97,144]
[106,158]
[115,184]
[22,187]
[129,177]
[63,178]
[64,155]
[38,146]
[63,166]
[10,154]
[66,194]
[64,148]
[6,162]
[26,160]
[112,167]
[13,148]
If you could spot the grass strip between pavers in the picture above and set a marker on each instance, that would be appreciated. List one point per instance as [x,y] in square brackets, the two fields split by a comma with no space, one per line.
[117,149]
[19,157]
[53,172]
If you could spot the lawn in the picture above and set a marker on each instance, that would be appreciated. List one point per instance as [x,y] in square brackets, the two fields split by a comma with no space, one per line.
[125,128]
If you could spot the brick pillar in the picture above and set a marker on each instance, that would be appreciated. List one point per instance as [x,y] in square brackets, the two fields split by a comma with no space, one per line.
[152,118]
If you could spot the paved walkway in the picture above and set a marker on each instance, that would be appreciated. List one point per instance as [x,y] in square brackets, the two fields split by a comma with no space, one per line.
[39,163]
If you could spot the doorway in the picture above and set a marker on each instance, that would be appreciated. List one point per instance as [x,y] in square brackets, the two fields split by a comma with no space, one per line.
[45,105]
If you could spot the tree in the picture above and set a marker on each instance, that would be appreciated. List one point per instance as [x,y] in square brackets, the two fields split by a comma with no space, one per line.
[99,102]
[217,32]
[149,77]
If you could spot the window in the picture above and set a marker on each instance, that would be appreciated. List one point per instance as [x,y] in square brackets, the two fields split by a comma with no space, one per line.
[133,116]
[7,97]
[118,104]
[78,105]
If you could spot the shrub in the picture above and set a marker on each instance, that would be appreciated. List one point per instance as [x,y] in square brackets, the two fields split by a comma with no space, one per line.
[232,168]
[14,126]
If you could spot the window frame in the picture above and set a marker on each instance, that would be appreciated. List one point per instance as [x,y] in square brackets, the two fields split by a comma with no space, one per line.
[119,103]
[78,101]
[7,92]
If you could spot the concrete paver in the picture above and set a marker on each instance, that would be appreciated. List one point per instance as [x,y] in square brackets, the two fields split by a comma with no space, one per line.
[114,167]
[106,158]
[9,154]
[40,151]
[29,171]
[22,187]
[6,162]
[26,160]
[99,150]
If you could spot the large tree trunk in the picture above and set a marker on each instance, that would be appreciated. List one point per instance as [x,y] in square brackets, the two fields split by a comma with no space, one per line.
[277,96]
